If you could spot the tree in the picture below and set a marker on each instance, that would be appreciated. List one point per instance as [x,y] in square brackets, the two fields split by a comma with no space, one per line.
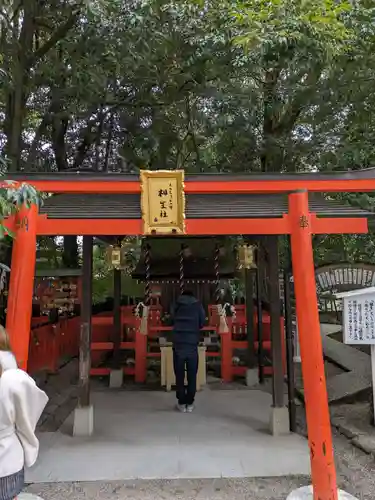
[32,37]
[201,85]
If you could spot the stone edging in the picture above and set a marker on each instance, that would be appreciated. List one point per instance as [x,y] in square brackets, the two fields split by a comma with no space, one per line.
[363,441]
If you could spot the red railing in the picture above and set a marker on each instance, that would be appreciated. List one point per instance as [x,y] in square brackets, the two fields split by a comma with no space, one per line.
[102,343]
[235,340]
[52,344]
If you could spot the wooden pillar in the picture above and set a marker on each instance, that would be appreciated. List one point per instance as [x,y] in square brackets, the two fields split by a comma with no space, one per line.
[86,313]
[249,290]
[259,315]
[289,340]
[226,356]
[21,284]
[323,471]
[140,357]
[117,325]
[275,313]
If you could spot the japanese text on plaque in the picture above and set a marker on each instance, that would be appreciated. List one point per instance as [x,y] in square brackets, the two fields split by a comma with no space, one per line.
[166,205]
[359,321]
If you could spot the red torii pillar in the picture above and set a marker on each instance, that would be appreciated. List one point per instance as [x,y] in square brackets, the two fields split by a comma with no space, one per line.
[323,471]
[21,285]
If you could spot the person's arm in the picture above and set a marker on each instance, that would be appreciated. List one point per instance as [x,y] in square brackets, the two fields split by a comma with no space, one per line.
[29,402]
[202,317]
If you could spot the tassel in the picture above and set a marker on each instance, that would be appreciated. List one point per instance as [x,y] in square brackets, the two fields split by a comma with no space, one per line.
[144,321]
[223,325]
[143,317]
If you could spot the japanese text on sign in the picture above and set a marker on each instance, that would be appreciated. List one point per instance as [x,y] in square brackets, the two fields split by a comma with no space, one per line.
[359,317]
[166,204]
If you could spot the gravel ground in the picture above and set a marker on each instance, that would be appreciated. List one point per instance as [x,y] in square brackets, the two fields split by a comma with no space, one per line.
[205,489]
[355,469]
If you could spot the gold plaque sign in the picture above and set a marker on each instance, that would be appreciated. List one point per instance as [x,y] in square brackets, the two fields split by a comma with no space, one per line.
[163,201]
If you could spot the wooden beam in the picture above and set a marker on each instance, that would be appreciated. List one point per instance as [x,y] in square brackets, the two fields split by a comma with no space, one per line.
[338,225]
[133,227]
[197,227]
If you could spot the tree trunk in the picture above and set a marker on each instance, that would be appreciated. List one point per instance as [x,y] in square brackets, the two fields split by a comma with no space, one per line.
[16,99]
[109,143]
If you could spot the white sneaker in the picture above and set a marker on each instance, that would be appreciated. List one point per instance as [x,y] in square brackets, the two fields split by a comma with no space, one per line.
[189,408]
[181,408]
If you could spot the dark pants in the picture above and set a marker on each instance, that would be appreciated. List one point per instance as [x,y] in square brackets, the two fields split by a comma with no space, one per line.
[185,360]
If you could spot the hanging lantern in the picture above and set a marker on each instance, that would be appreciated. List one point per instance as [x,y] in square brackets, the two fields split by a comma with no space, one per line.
[187,252]
[115,256]
[123,256]
[222,251]
[246,257]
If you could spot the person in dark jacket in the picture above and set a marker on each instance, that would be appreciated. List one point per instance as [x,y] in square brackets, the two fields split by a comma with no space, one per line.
[188,320]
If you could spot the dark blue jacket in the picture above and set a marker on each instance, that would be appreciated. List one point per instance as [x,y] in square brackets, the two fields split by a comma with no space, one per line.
[188,320]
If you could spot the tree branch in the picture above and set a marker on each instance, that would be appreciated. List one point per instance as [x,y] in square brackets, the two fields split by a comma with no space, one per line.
[293,111]
[58,35]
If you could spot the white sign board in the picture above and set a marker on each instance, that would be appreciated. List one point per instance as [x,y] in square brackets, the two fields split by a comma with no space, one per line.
[359,316]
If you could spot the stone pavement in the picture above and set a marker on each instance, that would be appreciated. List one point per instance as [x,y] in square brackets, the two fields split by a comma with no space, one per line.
[355,474]
[139,435]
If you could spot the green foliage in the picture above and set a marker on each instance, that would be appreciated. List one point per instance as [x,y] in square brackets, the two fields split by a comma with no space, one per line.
[13,197]
[103,279]
[278,27]
[202,85]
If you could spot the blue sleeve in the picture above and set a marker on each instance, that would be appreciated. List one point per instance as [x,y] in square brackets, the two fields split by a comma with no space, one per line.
[202,317]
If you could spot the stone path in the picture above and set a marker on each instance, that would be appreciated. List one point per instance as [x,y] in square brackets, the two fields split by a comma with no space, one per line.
[355,472]
[351,426]
[138,435]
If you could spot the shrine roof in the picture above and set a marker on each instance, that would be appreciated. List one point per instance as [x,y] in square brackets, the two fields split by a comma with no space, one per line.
[198,206]
[367,173]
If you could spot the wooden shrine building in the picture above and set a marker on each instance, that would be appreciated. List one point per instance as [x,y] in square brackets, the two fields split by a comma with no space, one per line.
[167,204]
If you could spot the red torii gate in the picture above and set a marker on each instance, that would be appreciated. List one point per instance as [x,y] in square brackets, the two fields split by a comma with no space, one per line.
[299,222]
